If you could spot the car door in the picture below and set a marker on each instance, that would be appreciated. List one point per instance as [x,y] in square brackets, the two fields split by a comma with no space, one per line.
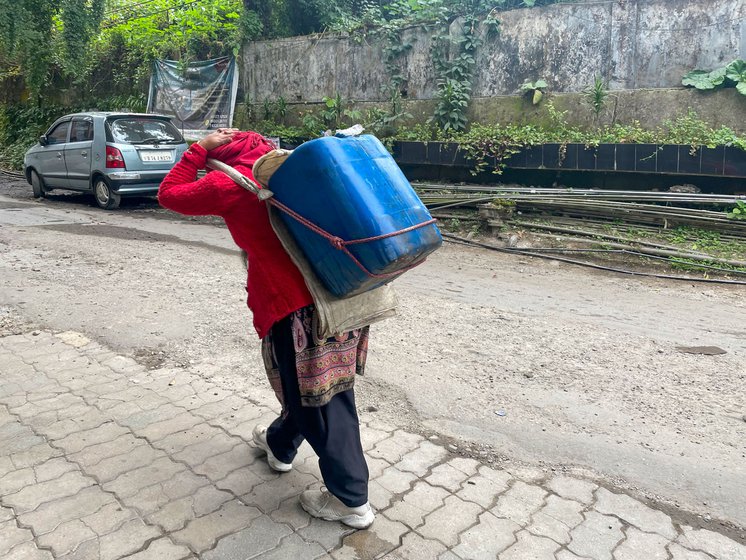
[78,153]
[52,156]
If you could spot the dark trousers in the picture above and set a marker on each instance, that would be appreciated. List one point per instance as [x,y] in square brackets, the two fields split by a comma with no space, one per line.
[332,430]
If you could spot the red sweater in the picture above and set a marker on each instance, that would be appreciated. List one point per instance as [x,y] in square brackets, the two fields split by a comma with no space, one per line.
[275,286]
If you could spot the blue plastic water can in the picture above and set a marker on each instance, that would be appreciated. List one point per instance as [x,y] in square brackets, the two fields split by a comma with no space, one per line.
[353,189]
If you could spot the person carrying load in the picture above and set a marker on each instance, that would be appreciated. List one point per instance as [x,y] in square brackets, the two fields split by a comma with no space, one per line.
[313,378]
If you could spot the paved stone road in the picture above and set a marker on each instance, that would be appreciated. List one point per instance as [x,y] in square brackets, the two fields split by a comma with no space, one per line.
[102,459]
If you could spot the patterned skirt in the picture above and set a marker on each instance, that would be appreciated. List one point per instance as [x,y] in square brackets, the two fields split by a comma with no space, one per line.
[325,367]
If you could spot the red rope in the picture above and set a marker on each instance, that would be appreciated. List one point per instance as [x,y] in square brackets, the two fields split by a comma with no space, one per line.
[341,244]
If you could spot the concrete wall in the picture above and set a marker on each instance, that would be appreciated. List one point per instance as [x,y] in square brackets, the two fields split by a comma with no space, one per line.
[633,44]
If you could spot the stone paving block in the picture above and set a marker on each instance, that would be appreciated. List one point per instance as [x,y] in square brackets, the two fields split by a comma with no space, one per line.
[173,443]
[241,481]
[422,459]
[641,545]
[415,547]
[378,496]
[567,555]
[376,467]
[484,487]
[678,552]
[5,514]
[129,538]
[78,441]
[382,537]
[93,454]
[200,399]
[268,495]
[159,430]
[325,533]
[109,518]
[531,547]
[635,513]
[715,544]
[57,402]
[306,465]
[396,481]
[292,514]
[29,551]
[447,476]
[31,497]
[150,415]
[229,404]
[110,468]
[573,488]
[231,419]
[490,536]
[162,549]
[530,475]
[261,536]
[106,387]
[12,535]
[219,466]
[148,500]
[295,548]
[175,515]
[66,537]
[202,533]
[34,456]
[121,364]
[128,393]
[15,480]
[369,437]
[54,468]
[91,418]
[395,447]
[49,515]
[556,519]
[198,453]
[596,537]
[446,523]
[520,502]
[417,503]
[131,482]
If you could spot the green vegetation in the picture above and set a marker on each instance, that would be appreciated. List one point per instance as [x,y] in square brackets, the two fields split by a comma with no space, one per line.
[732,75]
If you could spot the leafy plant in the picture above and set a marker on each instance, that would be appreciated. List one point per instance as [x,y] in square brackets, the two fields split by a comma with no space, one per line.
[597,95]
[739,211]
[702,79]
[732,75]
[534,90]
[736,72]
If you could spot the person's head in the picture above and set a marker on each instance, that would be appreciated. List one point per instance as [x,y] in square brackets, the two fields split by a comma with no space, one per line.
[243,149]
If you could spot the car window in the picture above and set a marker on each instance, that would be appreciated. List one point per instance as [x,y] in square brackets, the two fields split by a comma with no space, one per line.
[82,130]
[58,134]
[137,130]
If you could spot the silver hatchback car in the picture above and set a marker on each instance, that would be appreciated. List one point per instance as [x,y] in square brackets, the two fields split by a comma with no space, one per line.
[108,154]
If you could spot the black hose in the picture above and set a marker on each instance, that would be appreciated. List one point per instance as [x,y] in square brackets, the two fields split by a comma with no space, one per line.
[590,265]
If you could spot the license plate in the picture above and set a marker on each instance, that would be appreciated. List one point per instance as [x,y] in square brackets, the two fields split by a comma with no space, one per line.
[156,155]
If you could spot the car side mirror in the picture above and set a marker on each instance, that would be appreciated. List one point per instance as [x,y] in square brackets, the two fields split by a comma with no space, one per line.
[43,140]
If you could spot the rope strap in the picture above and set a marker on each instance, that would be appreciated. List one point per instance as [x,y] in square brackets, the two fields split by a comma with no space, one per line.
[341,244]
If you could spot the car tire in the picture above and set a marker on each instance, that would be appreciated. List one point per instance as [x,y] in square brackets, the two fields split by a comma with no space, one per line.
[105,197]
[37,185]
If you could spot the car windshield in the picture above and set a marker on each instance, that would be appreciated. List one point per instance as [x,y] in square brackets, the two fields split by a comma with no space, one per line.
[143,130]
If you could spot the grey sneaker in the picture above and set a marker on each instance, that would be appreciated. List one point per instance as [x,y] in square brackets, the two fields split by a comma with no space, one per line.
[260,441]
[324,505]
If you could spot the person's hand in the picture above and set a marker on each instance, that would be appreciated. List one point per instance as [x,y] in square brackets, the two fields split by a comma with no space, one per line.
[218,138]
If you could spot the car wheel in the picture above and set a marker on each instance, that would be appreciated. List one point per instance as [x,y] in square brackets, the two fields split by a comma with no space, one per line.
[104,196]
[37,185]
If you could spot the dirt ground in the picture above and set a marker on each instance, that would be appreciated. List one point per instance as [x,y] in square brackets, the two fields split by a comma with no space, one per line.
[509,359]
